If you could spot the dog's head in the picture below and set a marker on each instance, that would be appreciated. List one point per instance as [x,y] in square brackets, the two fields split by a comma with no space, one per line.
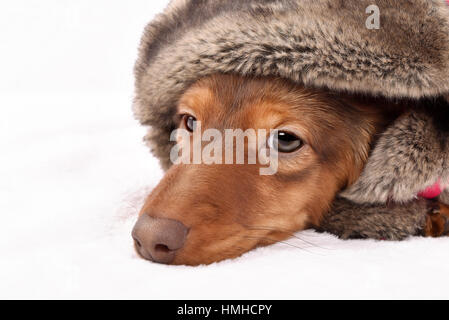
[202,213]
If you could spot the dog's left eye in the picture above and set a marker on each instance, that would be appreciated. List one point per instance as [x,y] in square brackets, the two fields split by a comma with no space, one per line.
[283,141]
[189,122]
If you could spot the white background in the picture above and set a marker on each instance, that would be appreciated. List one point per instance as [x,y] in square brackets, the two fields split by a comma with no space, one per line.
[73,173]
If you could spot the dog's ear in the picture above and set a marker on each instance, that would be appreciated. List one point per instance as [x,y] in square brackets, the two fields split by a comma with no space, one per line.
[361,120]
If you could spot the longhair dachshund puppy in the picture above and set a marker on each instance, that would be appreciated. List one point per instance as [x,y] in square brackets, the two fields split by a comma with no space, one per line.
[203,213]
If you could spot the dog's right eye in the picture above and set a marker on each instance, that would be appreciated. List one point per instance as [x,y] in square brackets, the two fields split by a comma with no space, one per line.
[285,142]
[189,122]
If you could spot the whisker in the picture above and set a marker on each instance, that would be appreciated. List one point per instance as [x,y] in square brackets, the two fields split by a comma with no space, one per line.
[290,233]
[282,242]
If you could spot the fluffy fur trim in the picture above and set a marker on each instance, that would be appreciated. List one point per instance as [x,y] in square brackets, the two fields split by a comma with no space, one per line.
[411,154]
[349,221]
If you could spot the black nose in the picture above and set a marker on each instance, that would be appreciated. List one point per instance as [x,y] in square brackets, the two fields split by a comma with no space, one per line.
[158,239]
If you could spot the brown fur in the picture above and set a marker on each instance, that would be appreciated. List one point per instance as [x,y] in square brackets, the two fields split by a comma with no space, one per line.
[437,221]
[231,209]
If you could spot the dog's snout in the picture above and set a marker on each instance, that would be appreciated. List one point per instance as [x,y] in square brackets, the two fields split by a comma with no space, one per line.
[158,239]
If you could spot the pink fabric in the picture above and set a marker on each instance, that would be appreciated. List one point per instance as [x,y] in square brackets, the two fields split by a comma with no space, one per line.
[432,191]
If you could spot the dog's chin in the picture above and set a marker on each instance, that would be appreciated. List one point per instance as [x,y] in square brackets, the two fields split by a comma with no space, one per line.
[207,258]
[194,256]
[222,249]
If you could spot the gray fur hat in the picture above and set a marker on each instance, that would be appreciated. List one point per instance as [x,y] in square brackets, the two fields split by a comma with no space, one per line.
[321,44]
